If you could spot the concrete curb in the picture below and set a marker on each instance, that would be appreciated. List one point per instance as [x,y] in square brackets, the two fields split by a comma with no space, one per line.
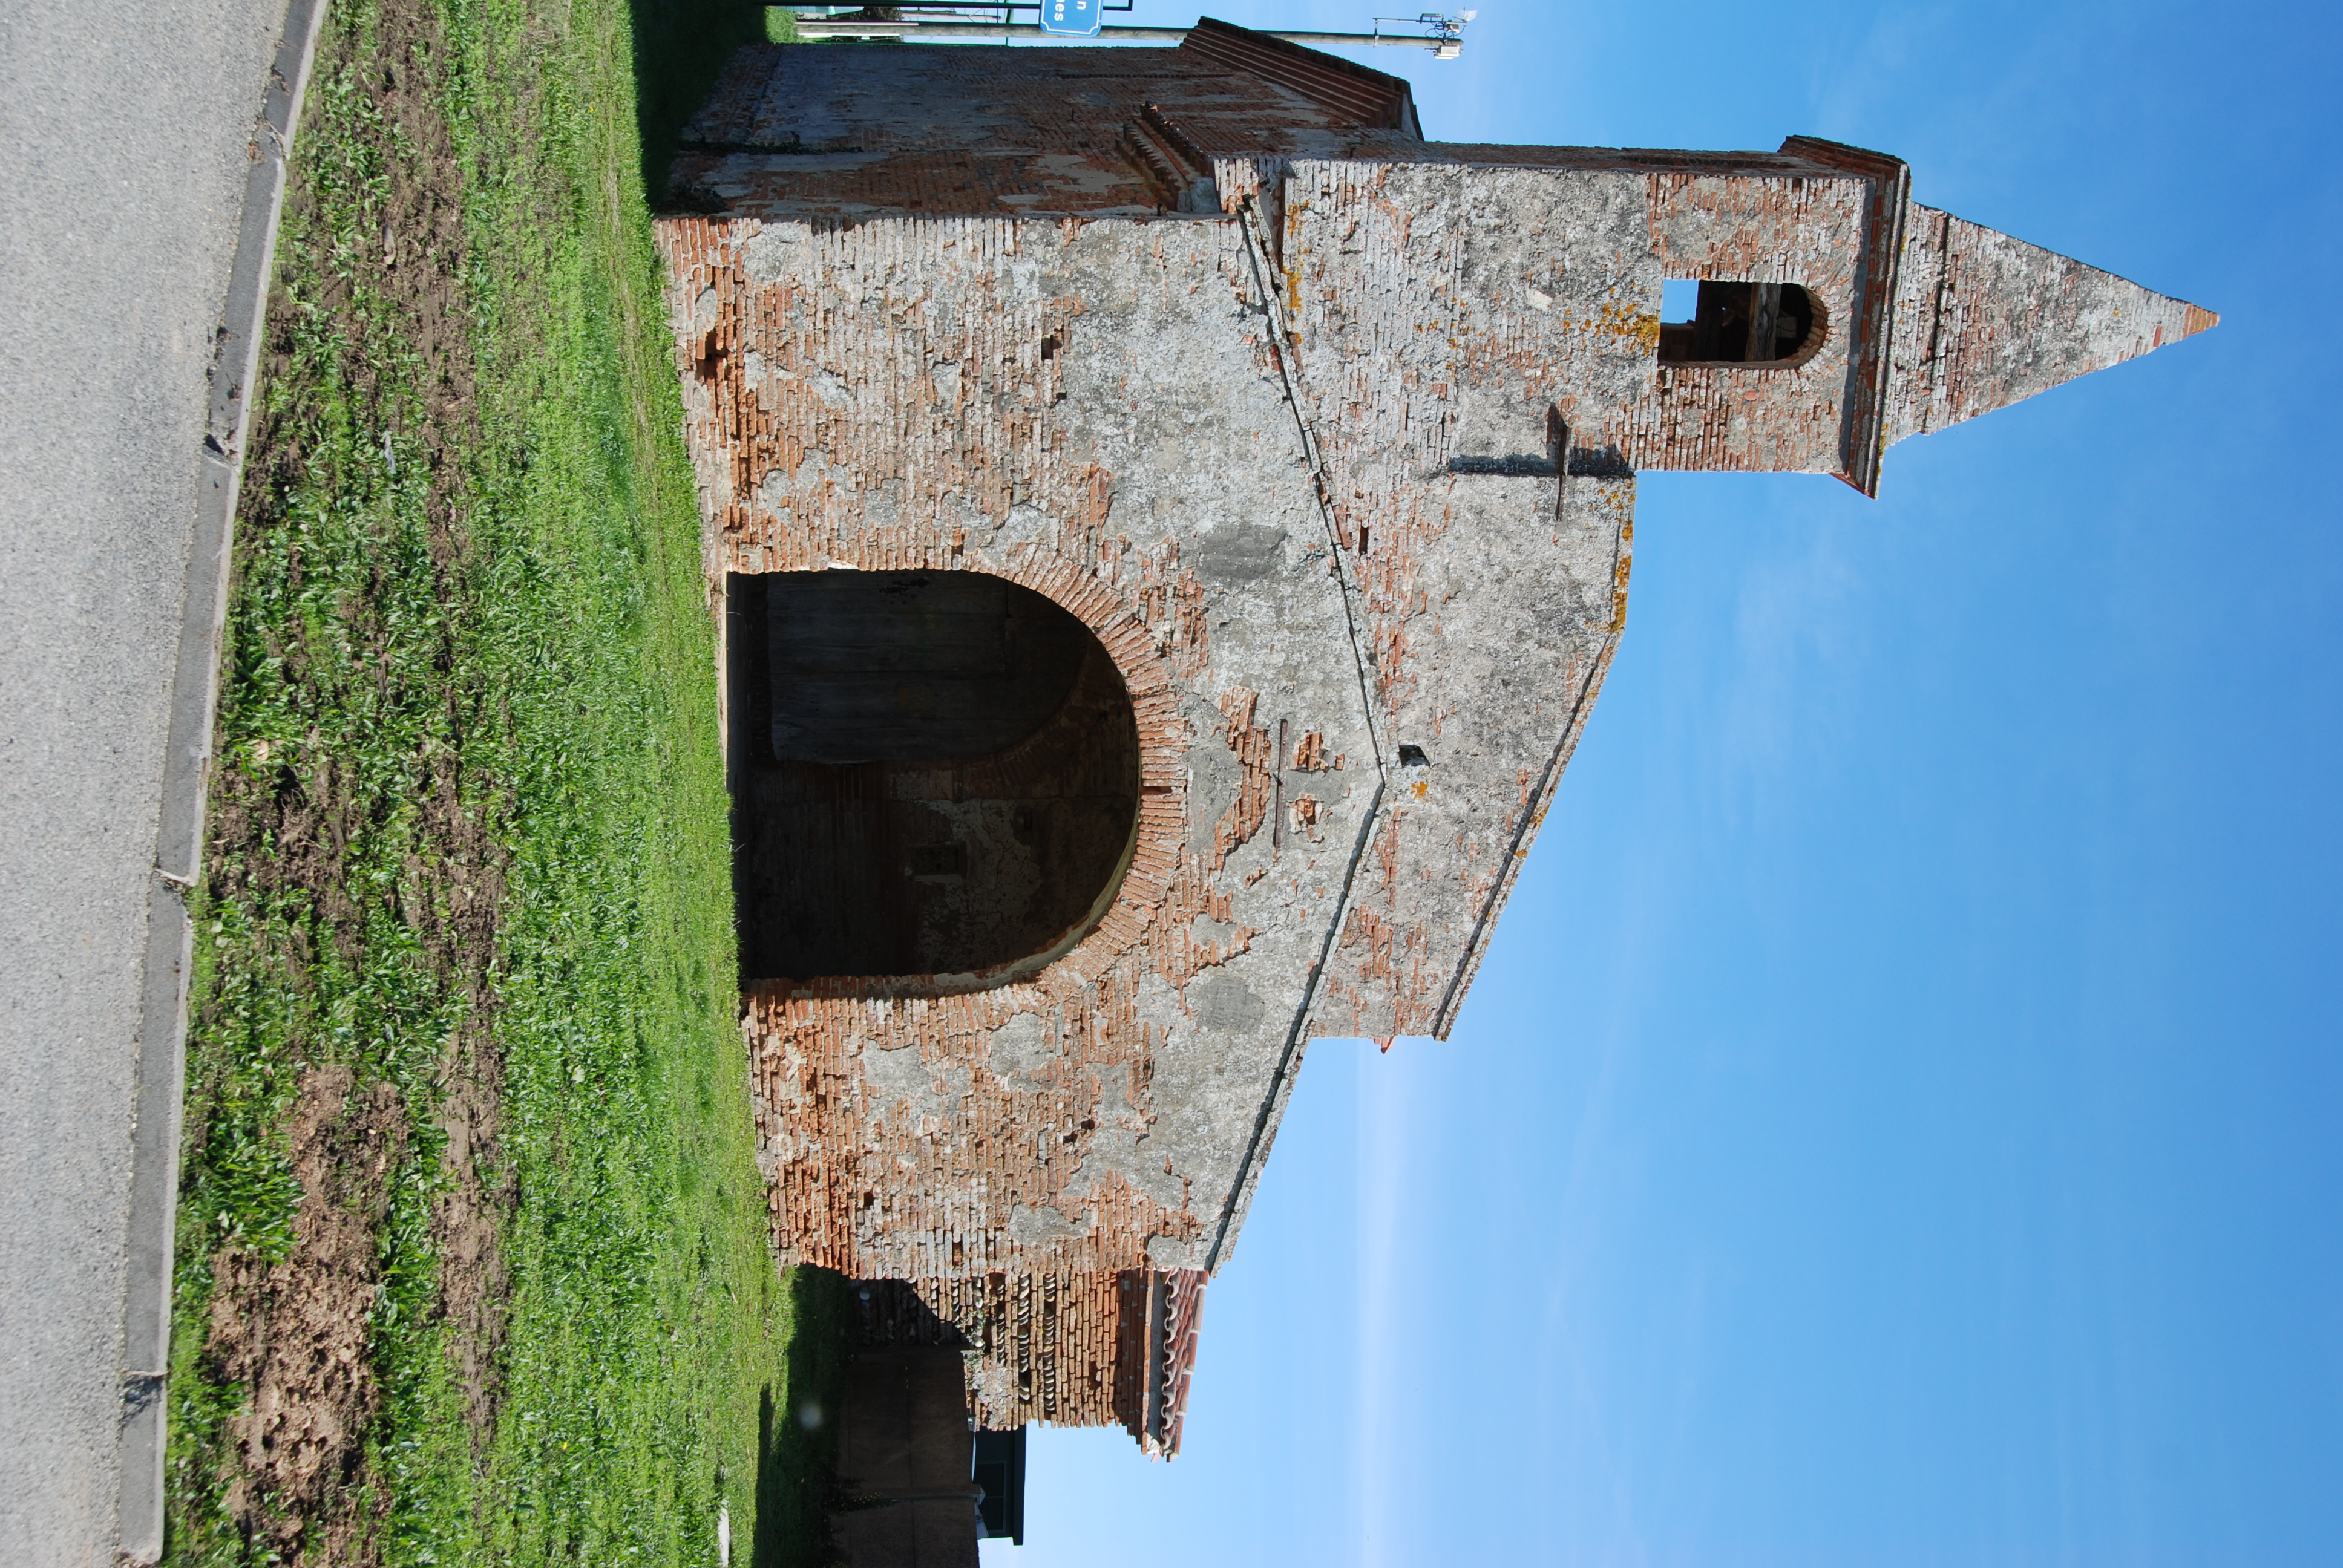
[187,772]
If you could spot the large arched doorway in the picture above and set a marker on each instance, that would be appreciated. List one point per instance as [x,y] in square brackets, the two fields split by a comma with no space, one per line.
[933,773]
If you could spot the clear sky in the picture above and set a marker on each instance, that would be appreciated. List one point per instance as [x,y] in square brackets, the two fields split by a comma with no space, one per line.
[1898,1120]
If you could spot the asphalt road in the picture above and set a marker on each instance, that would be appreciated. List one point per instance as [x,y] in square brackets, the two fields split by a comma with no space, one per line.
[129,127]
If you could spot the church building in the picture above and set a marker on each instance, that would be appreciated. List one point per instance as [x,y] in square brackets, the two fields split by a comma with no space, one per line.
[1169,522]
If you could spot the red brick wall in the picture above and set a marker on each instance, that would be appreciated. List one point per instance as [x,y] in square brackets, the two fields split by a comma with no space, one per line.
[1104,1348]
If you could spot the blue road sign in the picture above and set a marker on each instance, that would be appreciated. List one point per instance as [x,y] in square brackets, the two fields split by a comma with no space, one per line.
[1070,18]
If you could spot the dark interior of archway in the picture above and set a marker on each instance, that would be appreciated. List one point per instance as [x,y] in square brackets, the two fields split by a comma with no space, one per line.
[1740,324]
[932,772]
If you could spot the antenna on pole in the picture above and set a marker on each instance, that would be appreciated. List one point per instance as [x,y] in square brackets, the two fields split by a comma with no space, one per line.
[1443,32]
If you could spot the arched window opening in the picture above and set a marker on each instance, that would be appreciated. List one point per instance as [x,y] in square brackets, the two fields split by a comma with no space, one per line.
[933,773]
[1736,323]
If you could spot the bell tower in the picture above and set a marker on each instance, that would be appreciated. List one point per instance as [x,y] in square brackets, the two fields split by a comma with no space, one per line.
[1835,316]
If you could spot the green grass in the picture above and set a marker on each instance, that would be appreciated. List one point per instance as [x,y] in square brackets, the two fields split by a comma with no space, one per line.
[470,855]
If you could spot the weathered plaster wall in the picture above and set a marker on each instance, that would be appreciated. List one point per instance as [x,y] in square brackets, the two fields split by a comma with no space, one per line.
[1465,335]
[1093,410]
[1317,512]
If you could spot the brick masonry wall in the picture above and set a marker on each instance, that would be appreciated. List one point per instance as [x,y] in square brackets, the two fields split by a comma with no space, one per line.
[1786,418]
[844,131]
[1983,320]
[1105,1348]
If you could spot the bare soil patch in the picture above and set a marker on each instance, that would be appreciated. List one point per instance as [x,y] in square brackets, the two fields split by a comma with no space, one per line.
[293,1332]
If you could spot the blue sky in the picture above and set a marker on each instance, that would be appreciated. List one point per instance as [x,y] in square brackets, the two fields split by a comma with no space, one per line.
[1897,1121]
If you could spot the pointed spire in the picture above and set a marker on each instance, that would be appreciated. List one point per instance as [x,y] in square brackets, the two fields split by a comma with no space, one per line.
[1983,320]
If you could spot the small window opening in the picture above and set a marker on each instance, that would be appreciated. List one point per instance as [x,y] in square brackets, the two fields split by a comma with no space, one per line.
[1413,756]
[1733,323]
[933,773]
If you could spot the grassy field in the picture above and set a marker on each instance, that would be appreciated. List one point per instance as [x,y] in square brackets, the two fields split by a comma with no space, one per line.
[473,1264]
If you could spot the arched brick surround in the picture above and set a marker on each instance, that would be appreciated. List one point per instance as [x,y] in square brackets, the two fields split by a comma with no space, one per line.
[1157,834]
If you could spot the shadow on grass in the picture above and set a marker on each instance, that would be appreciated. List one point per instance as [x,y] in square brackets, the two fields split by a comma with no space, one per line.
[796,1448]
[680,46]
